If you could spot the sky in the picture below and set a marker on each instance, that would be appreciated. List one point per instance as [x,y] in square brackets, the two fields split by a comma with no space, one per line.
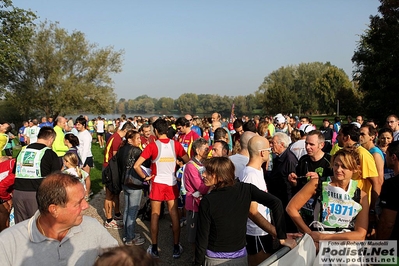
[220,47]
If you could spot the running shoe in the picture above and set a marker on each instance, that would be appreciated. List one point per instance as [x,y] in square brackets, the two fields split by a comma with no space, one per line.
[113,225]
[136,241]
[118,218]
[177,252]
[153,254]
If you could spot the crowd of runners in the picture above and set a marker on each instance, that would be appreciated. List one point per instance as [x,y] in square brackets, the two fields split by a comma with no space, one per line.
[244,187]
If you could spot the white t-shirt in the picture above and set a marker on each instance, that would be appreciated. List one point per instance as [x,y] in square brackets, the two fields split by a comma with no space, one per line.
[298,148]
[239,161]
[72,171]
[121,124]
[84,148]
[32,134]
[255,177]
[100,126]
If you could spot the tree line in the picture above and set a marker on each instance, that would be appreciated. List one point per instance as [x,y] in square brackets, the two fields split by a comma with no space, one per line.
[307,88]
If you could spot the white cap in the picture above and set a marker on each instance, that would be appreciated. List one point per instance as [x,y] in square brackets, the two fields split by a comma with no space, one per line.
[280,119]
[306,128]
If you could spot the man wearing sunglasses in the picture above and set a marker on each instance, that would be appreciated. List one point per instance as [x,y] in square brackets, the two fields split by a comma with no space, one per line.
[259,242]
[193,127]
[185,136]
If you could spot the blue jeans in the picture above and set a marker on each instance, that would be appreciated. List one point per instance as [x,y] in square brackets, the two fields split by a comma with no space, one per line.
[132,203]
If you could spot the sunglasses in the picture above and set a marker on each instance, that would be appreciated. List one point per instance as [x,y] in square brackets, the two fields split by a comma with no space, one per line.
[267,149]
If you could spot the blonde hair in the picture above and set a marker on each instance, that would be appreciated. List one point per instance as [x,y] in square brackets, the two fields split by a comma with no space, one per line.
[295,135]
[349,158]
[73,160]
[262,128]
[111,128]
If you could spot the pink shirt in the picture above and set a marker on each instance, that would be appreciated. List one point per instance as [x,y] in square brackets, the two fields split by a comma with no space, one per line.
[193,182]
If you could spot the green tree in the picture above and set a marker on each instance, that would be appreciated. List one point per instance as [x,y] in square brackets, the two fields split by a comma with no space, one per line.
[277,91]
[121,106]
[350,101]
[309,87]
[225,105]
[143,104]
[332,86]
[187,103]
[251,102]
[240,105]
[130,106]
[306,75]
[165,104]
[63,73]
[16,30]
[376,62]
[146,105]
[208,103]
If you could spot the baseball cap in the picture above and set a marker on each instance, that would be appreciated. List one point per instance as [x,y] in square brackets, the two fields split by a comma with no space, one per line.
[356,124]
[280,120]
[306,128]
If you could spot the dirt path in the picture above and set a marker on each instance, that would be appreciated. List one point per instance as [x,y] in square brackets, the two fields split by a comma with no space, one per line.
[96,210]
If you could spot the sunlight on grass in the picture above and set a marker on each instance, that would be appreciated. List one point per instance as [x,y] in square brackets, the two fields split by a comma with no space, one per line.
[95,172]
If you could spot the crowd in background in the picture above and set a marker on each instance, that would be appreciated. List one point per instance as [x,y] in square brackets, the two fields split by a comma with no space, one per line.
[310,175]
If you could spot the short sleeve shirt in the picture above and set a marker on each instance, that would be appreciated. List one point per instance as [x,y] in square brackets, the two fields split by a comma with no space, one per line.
[151,152]
[112,145]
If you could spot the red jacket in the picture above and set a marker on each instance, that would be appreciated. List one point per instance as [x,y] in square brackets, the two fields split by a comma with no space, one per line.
[7,178]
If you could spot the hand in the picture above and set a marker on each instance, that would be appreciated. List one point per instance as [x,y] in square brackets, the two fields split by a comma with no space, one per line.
[148,178]
[291,243]
[373,220]
[294,235]
[7,205]
[292,179]
[312,175]
[316,236]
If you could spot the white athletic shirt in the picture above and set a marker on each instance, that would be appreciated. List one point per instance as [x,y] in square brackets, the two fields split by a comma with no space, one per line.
[32,134]
[299,148]
[239,161]
[255,177]
[121,124]
[165,163]
[72,171]
[100,126]
[84,148]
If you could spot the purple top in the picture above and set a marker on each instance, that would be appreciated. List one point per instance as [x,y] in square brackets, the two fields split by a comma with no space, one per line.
[227,255]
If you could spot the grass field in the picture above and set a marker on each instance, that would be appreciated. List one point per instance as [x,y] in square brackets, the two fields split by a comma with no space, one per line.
[318,120]
[95,172]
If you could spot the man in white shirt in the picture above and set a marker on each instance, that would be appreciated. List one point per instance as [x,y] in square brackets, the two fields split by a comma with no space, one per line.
[33,131]
[241,158]
[298,148]
[259,243]
[84,149]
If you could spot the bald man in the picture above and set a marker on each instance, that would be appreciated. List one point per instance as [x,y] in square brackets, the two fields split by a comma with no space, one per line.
[194,128]
[59,146]
[259,242]
[240,159]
